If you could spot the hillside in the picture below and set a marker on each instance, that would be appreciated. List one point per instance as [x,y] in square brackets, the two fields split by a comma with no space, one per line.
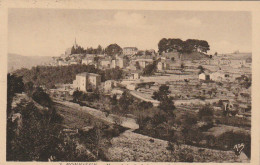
[241,56]
[16,61]
[186,56]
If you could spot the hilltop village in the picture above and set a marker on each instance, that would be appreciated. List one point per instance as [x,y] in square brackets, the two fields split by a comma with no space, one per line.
[177,103]
[192,78]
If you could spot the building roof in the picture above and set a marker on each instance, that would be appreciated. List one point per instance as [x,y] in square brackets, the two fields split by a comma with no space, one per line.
[87,74]
[135,48]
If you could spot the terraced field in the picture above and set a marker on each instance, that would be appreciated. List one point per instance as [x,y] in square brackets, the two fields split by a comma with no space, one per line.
[131,146]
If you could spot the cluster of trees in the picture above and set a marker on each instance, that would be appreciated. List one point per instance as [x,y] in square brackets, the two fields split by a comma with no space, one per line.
[81,50]
[188,46]
[51,75]
[244,81]
[113,49]
[110,50]
[149,69]
[36,135]
[113,74]
[151,119]
[79,96]
[146,52]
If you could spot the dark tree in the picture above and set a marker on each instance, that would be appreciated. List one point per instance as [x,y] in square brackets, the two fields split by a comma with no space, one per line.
[166,101]
[99,49]
[150,69]
[201,69]
[113,49]
[125,101]
[162,45]
[41,97]
[188,46]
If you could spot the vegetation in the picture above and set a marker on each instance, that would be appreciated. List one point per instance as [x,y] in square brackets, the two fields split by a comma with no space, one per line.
[201,69]
[48,76]
[150,69]
[188,46]
[81,50]
[35,133]
[113,49]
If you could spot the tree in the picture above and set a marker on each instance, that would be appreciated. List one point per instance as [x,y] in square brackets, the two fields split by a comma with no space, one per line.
[14,85]
[162,93]
[113,49]
[113,100]
[188,46]
[150,69]
[76,95]
[203,46]
[147,52]
[125,101]
[182,66]
[162,45]
[201,69]
[145,105]
[137,65]
[166,101]
[206,113]
[99,49]
[41,97]
[28,87]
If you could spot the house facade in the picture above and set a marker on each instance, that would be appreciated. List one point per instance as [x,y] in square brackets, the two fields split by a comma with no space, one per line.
[85,81]
[204,76]
[130,50]
[162,66]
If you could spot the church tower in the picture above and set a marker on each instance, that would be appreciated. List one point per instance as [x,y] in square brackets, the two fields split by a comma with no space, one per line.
[75,44]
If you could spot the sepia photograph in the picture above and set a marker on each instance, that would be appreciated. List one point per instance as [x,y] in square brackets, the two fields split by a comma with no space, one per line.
[111,85]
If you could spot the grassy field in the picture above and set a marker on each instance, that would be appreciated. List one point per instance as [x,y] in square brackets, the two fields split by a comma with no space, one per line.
[75,118]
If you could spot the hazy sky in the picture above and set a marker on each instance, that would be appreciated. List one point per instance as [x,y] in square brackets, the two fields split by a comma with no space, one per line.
[48,32]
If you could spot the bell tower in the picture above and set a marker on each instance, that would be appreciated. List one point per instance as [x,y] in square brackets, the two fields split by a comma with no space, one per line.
[75,44]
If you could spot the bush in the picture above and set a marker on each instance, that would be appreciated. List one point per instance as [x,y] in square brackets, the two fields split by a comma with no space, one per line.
[42,98]
[229,139]
[185,155]
[206,111]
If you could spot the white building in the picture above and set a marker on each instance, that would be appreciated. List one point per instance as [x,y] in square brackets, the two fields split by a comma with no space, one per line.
[120,62]
[87,61]
[109,85]
[162,66]
[85,81]
[130,50]
[73,62]
[131,86]
[218,76]
[113,64]
[144,62]
[204,76]
[105,63]
[62,63]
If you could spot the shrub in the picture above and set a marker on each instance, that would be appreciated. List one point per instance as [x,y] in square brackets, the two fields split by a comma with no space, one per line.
[185,155]
[231,138]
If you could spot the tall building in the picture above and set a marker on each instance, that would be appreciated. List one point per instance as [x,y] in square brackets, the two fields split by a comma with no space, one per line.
[75,44]
[85,81]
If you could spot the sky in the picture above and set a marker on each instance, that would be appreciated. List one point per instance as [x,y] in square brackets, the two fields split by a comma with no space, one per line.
[49,32]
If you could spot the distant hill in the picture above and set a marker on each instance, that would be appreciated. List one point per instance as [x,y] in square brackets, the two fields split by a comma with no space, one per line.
[241,56]
[16,61]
